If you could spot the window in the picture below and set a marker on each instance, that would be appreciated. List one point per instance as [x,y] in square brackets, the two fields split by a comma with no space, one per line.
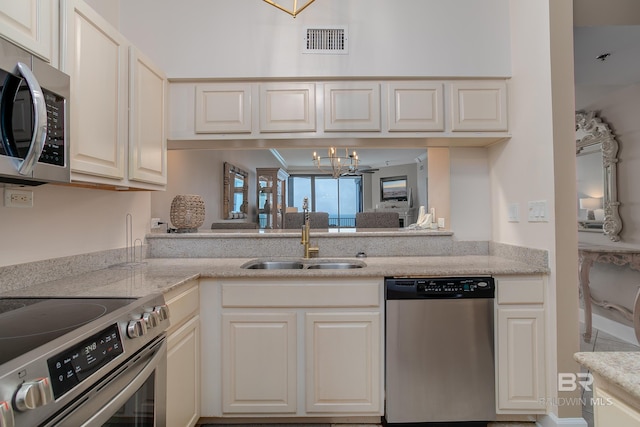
[341,198]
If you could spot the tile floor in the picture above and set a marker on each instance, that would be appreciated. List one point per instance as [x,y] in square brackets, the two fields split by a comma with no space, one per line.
[600,341]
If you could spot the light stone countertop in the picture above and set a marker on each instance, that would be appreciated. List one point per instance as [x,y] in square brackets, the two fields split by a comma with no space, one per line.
[162,274]
[617,367]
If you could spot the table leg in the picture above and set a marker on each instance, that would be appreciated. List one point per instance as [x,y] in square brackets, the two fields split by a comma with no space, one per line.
[636,316]
[585,263]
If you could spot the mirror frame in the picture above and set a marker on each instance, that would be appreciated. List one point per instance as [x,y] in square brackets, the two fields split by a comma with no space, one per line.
[595,131]
[229,189]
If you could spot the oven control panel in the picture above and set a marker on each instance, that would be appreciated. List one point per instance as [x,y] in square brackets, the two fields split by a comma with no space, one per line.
[70,368]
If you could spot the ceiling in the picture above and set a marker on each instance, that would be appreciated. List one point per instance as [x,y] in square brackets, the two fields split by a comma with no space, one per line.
[605,27]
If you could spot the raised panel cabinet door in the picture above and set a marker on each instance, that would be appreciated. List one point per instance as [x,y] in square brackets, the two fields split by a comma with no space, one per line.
[415,106]
[608,410]
[30,24]
[147,114]
[183,375]
[96,59]
[223,108]
[353,106]
[520,363]
[343,363]
[287,107]
[479,106]
[259,362]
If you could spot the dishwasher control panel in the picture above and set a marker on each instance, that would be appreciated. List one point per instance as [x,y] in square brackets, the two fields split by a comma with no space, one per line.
[439,287]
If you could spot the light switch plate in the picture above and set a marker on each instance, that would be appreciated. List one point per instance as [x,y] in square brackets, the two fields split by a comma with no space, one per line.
[514,212]
[538,211]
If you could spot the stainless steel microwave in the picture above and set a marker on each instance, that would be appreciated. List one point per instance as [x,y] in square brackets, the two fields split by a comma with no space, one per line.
[34,119]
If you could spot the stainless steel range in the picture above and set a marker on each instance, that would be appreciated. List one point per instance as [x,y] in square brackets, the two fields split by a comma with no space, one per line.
[83,361]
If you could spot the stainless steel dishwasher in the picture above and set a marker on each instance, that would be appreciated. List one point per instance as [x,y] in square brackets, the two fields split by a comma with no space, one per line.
[439,350]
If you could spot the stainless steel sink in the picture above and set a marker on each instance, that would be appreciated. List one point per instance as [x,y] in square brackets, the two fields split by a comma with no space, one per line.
[302,264]
[274,265]
[336,265]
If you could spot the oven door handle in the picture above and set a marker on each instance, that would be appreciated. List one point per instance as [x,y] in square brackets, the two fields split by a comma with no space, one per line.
[106,412]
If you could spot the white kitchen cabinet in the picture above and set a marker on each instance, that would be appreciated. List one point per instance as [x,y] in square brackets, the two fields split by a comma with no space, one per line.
[520,343]
[416,106]
[183,356]
[259,110]
[352,106]
[223,108]
[610,409]
[287,107]
[32,24]
[342,362]
[292,348]
[147,120]
[96,58]
[259,362]
[479,106]
[117,108]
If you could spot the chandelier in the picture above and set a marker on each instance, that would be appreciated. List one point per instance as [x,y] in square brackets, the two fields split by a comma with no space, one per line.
[336,164]
[292,10]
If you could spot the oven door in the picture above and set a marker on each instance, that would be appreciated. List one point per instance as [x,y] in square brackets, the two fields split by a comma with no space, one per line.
[134,394]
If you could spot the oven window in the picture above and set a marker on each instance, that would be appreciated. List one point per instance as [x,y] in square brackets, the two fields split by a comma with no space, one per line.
[139,410]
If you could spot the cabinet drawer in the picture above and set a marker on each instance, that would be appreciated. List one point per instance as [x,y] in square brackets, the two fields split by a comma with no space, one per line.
[520,290]
[183,303]
[349,293]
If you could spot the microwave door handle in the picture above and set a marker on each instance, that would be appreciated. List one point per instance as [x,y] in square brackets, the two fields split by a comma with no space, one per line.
[39,123]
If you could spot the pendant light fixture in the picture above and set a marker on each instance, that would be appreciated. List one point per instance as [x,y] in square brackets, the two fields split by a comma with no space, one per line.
[336,164]
[290,6]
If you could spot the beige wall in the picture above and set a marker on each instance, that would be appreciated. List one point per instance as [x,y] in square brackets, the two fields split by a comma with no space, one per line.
[536,164]
[68,221]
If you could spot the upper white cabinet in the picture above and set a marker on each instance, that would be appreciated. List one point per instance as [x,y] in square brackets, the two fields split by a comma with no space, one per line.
[96,58]
[352,106]
[32,24]
[287,107]
[147,120]
[117,105]
[415,106]
[479,106]
[223,108]
[442,112]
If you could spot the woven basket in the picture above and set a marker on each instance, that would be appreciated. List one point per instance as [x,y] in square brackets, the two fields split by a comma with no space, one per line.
[187,212]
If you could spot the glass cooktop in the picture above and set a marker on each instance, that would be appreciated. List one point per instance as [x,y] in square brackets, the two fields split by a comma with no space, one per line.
[27,323]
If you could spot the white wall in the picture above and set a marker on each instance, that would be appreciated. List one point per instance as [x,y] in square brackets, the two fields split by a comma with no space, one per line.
[471,208]
[537,164]
[67,221]
[250,38]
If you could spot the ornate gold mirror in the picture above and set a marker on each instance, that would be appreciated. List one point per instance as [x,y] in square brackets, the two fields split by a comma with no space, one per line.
[235,202]
[596,170]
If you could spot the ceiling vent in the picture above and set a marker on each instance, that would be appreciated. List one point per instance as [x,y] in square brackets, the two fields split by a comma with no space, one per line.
[333,40]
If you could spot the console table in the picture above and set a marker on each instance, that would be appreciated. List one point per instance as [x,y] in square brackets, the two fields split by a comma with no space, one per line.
[587,255]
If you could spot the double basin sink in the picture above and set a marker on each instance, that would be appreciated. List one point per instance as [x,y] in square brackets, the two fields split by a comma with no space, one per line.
[309,264]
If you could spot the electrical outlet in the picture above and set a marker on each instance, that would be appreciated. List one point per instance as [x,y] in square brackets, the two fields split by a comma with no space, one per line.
[14,198]
[514,212]
[155,223]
